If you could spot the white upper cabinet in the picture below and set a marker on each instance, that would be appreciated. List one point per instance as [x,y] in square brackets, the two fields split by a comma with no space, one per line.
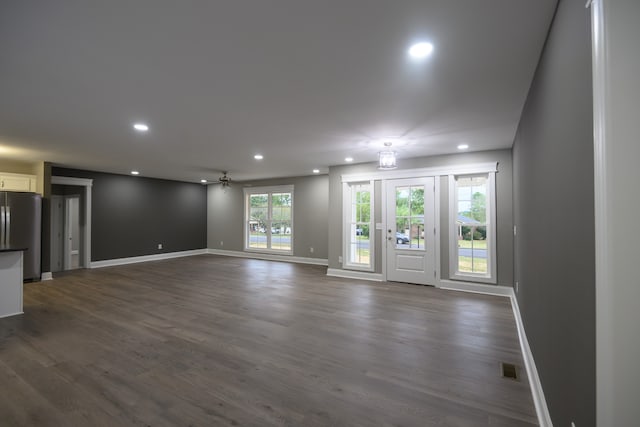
[17,182]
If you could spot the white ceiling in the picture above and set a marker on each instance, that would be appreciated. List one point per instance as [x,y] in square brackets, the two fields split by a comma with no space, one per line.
[305,83]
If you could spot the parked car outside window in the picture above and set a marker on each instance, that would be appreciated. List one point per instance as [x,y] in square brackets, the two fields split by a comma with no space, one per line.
[401,238]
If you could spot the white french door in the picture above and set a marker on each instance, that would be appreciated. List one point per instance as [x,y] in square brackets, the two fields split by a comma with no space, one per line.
[410,230]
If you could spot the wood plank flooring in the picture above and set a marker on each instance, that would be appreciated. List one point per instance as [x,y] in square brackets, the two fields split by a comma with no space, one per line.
[211,340]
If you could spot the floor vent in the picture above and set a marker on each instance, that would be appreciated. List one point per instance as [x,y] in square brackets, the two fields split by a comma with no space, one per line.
[509,370]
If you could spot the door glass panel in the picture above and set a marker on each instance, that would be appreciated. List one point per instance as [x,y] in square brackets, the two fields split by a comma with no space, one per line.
[417,201]
[417,232]
[409,233]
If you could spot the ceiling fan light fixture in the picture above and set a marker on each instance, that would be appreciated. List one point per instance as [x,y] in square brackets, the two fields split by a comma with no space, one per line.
[224,180]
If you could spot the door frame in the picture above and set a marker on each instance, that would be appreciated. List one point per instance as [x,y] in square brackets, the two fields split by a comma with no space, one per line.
[57,227]
[437,172]
[436,220]
[87,184]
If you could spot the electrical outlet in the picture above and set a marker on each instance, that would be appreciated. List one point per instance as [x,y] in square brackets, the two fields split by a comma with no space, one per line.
[221,243]
[159,245]
[517,284]
[311,249]
[515,230]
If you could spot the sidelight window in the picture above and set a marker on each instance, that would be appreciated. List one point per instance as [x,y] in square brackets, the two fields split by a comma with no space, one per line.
[472,219]
[359,229]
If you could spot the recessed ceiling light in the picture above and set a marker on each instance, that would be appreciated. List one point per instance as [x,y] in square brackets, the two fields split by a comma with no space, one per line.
[141,127]
[135,173]
[420,50]
[348,159]
[463,146]
[204,181]
[316,171]
[258,157]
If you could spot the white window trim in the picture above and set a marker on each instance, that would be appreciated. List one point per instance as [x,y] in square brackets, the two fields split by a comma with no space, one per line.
[454,274]
[269,190]
[467,169]
[346,220]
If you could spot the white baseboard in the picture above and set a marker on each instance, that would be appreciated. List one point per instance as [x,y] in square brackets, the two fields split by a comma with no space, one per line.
[145,258]
[269,257]
[46,276]
[478,288]
[542,411]
[12,314]
[351,274]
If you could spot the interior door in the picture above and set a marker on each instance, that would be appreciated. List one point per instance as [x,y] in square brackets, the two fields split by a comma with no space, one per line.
[410,230]
[71,232]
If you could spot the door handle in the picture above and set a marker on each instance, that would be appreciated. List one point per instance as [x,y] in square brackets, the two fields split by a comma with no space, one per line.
[7,233]
[2,240]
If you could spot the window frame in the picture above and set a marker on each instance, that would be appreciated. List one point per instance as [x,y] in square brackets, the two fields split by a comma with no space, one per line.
[248,192]
[347,190]
[454,273]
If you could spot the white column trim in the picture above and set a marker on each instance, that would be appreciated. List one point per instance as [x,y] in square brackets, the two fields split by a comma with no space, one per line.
[605,372]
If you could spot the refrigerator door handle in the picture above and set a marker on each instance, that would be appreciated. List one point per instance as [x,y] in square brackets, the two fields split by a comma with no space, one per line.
[7,233]
[2,241]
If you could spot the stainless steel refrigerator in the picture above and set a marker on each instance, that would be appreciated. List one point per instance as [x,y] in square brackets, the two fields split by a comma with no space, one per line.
[20,227]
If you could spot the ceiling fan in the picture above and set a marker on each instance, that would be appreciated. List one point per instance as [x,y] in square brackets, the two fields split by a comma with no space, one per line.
[224,180]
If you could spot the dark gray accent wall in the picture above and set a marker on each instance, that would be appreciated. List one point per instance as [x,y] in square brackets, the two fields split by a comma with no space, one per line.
[131,215]
[554,215]
[310,212]
[504,214]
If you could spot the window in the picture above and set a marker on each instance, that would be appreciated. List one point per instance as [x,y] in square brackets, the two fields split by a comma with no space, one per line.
[472,218]
[359,230]
[269,219]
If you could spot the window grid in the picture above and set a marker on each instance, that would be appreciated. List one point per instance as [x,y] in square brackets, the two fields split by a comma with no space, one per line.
[410,217]
[359,228]
[472,222]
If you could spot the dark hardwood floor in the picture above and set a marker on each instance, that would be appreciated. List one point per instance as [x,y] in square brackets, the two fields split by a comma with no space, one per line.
[211,340]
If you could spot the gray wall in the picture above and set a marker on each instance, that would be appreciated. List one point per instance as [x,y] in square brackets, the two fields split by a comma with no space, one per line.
[225,214]
[503,200]
[554,213]
[131,215]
